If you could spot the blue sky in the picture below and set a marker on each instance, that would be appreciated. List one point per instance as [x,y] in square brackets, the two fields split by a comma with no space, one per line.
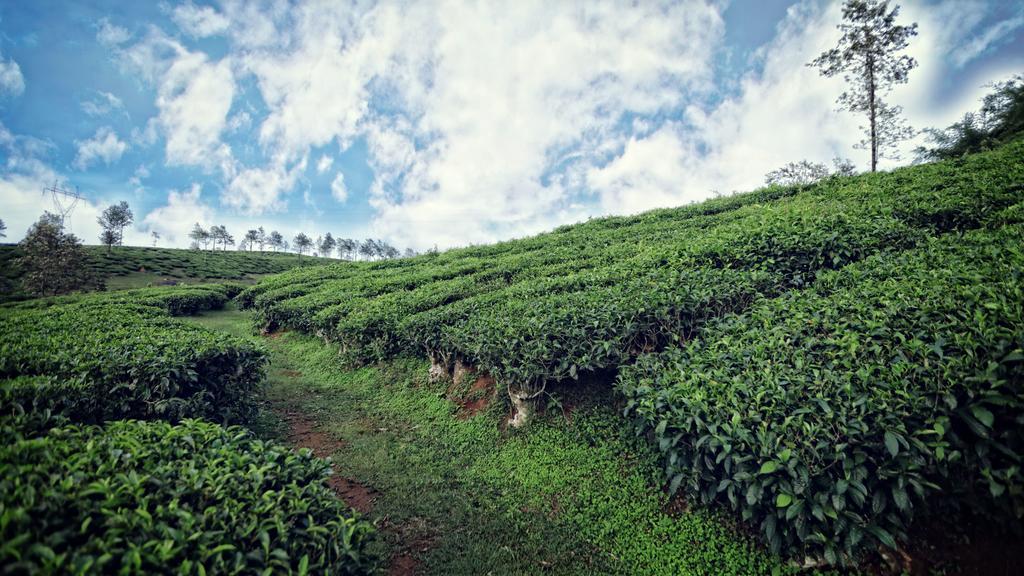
[443,124]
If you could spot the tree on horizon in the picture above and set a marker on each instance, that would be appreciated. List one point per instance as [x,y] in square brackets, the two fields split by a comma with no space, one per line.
[301,242]
[867,58]
[115,219]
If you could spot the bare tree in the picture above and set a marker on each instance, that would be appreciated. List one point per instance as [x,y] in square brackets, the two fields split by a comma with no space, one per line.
[867,57]
[843,167]
[368,248]
[221,234]
[799,173]
[805,172]
[347,248]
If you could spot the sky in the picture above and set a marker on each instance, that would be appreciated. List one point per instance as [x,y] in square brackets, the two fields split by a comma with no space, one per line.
[441,123]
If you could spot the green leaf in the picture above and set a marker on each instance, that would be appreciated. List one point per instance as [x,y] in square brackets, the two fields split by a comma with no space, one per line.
[674,485]
[983,416]
[768,467]
[783,500]
[883,536]
[891,443]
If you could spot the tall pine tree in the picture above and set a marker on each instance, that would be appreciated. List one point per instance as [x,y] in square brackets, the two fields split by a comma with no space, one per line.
[867,57]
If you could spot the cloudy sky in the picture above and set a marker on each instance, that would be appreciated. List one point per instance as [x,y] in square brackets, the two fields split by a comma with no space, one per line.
[439,123]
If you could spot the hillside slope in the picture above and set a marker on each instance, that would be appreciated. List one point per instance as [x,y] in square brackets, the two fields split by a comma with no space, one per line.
[137,266]
[594,297]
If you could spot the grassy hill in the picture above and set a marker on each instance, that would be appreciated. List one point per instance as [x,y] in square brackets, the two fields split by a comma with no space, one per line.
[133,266]
[821,360]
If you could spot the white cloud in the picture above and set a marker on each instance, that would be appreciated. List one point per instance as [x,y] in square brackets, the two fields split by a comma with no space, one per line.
[783,111]
[141,173]
[194,98]
[650,173]
[111,35]
[488,98]
[491,120]
[239,121]
[258,190]
[324,164]
[104,103]
[11,80]
[104,146]
[174,220]
[338,189]
[22,179]
[199,21]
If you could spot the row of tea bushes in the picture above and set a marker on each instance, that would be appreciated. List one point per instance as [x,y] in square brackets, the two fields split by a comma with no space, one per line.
[84,490]
[136,497]
[482,304]
[827,415]
[121,356]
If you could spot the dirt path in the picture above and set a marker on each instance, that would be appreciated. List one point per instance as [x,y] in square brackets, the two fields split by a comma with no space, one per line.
[303,431]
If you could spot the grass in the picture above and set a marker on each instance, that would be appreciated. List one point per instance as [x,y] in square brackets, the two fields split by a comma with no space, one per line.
[568,496]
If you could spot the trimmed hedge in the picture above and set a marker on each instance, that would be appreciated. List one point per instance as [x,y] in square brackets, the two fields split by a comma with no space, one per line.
[827,415]
[123,357]
[155,498]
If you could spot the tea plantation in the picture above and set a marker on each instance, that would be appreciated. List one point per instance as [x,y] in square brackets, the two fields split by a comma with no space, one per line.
[106,467]
[764,382]
[823,360]
[136,266]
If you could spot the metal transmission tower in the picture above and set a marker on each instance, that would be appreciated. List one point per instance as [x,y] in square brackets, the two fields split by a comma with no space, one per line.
[64,199]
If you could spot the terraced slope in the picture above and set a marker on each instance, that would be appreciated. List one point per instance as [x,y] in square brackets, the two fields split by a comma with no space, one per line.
[594,297]
[136,266]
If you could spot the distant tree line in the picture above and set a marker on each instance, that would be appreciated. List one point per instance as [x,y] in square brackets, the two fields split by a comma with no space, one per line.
[218,237]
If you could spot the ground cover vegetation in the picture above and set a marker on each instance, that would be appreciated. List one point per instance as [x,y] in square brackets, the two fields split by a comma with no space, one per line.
[105,466]
[453,493]
[592,298]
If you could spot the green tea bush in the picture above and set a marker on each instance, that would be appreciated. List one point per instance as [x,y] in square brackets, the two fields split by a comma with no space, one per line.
[119,355]
[34,404]
[592,296]
[155,498]
[825,416]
